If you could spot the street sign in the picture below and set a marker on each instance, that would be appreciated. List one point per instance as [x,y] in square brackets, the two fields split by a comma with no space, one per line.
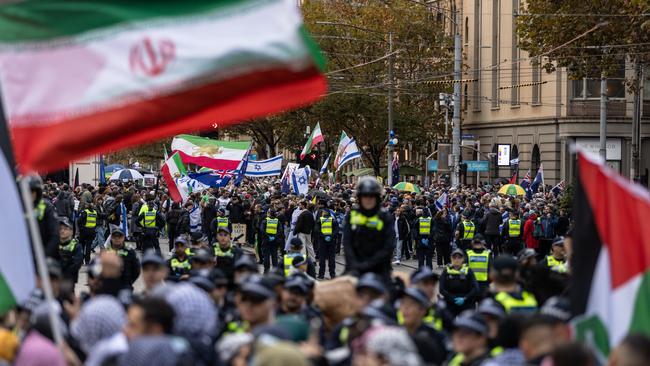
[467,136]
[432,165]
[477,166]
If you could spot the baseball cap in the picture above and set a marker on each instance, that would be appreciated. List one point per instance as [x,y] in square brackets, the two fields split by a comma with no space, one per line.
[371,281]
[296,243]
[457,251]
[257,290]
[525,254]
[478,238]
[197,236]
[201,255]
[299,261]
[471,320]
[246,262]
[218,277]
[418,295]
[223,229]
[558,241]
[504,262]
[297,283]
[557,307]
[65,221]
[117,231]
[422,274]
[181,240]
[491,307]
[151,257]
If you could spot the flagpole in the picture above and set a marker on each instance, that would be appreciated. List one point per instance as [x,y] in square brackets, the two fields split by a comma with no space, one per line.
[41,264]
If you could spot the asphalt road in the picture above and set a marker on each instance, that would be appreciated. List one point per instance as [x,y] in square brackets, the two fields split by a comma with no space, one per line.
[407,266]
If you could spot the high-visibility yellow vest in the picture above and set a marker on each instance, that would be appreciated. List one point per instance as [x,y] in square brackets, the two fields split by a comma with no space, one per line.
[70,247]
[464,270]
[220,253]
[468,230]
[478,263]
[236,327]
[326,225]
[40,210]
[372,222]
[288,262]
[425,225]
[222,222]
[514,228]
[271,226]
[150,219]
[457,360]
[527,303]
[180,265]
[91,218]
[556,265]
[429,319]
[120,252]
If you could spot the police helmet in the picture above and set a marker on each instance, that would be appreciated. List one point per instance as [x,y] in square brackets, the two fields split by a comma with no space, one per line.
[368,186]
[35,183]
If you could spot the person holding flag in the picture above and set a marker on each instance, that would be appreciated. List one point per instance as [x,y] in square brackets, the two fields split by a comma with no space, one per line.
[314,139]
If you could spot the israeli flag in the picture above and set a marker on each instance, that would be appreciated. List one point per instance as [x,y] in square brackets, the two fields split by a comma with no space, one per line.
[442,201]
[300,180]
[264,168]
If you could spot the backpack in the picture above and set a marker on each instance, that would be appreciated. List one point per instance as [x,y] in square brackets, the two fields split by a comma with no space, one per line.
[538,229]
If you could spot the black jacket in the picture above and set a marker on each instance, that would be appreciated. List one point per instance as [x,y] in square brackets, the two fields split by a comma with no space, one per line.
[64,204]
[183,226]
[305,223]
[208,214]
[492,221]
[173,217]
[403,227]
[235,212]
[442,230]
[130,267]
[367,249]
[48,225]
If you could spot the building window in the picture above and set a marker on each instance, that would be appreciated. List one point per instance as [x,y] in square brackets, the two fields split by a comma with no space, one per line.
[476,85]
[495,166]
[535,160]
[589,88]
[495,53]
[514,154]
[646,84]
[514,96]
[537,81]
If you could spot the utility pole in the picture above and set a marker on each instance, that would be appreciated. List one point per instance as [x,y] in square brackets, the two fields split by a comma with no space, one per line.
[455,150]
[389,146]
[635,169]
[603,117]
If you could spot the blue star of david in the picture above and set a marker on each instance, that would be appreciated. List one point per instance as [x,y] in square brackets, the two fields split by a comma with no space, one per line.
[302,180]
[257,167]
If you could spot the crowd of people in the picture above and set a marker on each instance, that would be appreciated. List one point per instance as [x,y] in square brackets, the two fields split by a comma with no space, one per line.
[491,285]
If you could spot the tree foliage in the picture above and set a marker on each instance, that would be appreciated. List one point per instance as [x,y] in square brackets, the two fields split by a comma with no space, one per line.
[586,37]
[353,35]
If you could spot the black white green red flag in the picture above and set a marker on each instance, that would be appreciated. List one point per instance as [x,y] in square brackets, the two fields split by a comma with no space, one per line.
[611,256]
[84,77]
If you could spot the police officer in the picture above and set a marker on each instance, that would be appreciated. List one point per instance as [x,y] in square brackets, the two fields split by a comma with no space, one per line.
[179,264]
[272,236]
[70,251]
[424,238]
[369,233]
[327,229]
[226,253]
[295,250]
[152,222]
[457,284]
[48,223]
[470,340]
[130,262]
[438,316]
[513,231]
[506,290]
[465,231]
[87,222]
[556,261]
[478,259]
[220,221]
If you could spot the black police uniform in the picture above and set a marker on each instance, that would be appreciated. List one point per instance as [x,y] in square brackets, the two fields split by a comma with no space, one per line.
[272,235]
[71,256]
[458,283]
[151,229]
[327,230]
[130,267]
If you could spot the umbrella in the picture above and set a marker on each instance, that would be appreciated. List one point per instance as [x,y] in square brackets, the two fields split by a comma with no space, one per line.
[319,194]
[126,174]
[407,187]
[113,168]
[512,190]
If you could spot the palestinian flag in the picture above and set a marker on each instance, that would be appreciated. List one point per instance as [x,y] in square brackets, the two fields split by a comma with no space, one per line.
[313,140]
[213,154]
[172,171]
[611,256]
[17,278]
[84,77]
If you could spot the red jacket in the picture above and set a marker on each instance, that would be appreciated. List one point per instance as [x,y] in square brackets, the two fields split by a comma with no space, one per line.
[531,242]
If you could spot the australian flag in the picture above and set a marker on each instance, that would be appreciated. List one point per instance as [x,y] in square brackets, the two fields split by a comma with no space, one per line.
[539,180]
[559,188]
[525,183]
[214,178]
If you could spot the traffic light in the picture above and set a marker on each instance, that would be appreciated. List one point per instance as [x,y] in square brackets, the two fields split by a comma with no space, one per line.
[312,159]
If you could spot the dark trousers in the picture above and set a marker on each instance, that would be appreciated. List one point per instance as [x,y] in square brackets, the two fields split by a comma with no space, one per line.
[493,243]
[406,248]
[172,234]
[150,240]
[544,247]
[86,238]
[269,254]
[465,244]
[443,251]
[425,256]
[513,246]
[327,252]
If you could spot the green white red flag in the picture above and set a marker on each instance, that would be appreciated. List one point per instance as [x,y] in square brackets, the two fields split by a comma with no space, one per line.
[172,171]
[213,154]
[315,137]
[611,256]
[83,77]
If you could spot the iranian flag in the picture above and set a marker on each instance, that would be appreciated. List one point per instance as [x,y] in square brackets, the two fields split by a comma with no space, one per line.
[611,256]
[213,154]
[315,137]
[17,278]
[172,171]
[84,77]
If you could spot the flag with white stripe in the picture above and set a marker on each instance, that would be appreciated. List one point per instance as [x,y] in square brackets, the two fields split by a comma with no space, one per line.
[264,168]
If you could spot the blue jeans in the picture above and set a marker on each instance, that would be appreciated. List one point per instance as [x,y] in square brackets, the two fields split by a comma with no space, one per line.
[398,250]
